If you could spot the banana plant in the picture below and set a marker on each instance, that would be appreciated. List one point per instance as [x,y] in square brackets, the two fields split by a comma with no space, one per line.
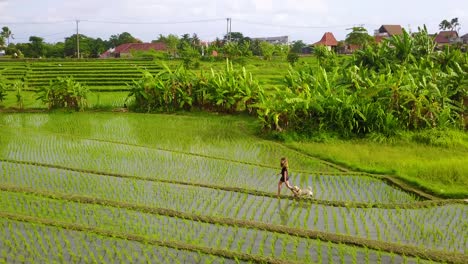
[18,87]
[233,89]
[64,92]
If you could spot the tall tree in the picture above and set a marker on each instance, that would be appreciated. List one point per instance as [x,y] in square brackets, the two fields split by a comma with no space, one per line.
[444,25]
[195,40]
[123,38]
[6,34]
[97,47]
[452,25]
[359,36]
[85,46]
[36,46]
[54,50]
[235,37]
[297,46]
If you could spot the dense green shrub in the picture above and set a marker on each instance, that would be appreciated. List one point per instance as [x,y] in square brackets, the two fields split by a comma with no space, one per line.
[64,93]
[402,84]
[230,90]
[292,58]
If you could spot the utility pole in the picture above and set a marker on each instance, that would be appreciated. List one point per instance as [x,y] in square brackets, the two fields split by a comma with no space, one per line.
[77,40]
[228,29]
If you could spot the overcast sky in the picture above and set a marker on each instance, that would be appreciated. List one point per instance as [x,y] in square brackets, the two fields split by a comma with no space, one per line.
[306,20]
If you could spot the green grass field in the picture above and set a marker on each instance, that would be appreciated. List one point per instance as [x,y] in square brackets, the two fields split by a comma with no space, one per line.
[439,170]
[201,188]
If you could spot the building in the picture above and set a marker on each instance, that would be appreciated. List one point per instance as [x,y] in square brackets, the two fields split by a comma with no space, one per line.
[124,50]
[465,39]
[274,40]
[387,31]
[447,37]
[328,40]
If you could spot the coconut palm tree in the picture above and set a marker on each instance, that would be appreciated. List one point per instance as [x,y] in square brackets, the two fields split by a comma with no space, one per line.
[452,25]
[6,33]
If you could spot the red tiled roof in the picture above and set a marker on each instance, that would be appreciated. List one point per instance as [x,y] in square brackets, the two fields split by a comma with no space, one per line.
[328,40]
[125,48]
[445,36]
[105,54]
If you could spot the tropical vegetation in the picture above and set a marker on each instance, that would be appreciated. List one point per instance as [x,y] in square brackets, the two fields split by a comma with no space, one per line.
[402,84]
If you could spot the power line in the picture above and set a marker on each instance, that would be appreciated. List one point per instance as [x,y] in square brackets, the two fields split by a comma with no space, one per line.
[152,22]
[290,26]
[36,22]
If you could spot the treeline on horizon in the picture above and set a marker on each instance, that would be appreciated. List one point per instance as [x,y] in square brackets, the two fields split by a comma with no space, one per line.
[233,45]
[90,47]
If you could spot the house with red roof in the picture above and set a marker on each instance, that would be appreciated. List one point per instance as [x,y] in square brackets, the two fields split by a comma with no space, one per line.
[446,38]
[328,40]
[125,50]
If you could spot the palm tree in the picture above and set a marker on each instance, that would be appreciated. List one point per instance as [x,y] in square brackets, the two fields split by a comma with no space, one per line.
[6,33]
[445,24]
[452,25]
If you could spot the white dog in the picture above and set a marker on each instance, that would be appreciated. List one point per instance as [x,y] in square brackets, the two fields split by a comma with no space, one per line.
[298,192]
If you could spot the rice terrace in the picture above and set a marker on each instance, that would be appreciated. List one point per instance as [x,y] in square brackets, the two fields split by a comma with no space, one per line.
[132,187]
[159,159]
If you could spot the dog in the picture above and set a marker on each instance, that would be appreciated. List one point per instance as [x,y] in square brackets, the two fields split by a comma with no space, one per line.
[298,192]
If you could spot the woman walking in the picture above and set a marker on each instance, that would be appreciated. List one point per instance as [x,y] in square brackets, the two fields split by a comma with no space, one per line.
[284,175]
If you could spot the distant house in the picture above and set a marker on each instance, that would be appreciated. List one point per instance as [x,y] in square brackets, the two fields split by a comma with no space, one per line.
[2,53]
[465,39]
[124,50]
[387,31]
[446,37]
[274,40]
[328,40]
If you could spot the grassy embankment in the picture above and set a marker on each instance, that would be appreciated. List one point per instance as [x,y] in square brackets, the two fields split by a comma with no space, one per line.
[439,170]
